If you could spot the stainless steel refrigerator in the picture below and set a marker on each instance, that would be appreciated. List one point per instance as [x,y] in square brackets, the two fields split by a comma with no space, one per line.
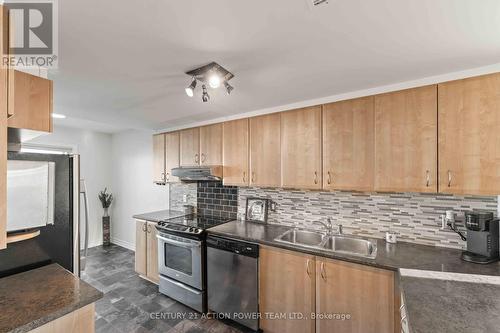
[44,193]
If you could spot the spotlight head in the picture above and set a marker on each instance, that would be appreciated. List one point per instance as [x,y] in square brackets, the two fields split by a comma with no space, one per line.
[228,87]
[190,89]
[214,80]
[205,97]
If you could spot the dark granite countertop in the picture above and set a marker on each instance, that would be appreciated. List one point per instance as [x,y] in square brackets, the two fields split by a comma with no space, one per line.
[389,256]
[33,298]
[448,306]
[159,215]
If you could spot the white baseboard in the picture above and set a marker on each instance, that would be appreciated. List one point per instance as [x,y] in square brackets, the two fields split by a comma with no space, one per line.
[123,243]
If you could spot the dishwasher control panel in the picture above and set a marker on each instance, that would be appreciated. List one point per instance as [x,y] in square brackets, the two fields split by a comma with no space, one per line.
[235,246]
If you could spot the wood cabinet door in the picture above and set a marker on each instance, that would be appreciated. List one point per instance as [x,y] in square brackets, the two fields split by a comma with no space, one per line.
[190,147]
[286,286]
[152,253]
[30,101]
[140,247]
[364,293]
[469,139]
[235,152]
[348,145]
[211,144]
[172,146]
[265,150]
[159,158]
[406,140]
[3,128]
[301,148]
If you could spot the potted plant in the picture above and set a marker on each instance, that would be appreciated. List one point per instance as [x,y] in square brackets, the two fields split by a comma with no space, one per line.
[106,200]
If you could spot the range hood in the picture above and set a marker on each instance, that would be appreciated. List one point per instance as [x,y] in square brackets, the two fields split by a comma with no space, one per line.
[198,173]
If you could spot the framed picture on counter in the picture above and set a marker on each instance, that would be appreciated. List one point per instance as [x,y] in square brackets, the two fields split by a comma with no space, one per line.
[256,210]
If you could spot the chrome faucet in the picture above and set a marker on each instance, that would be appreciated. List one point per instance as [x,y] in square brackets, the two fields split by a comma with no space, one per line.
[329,226]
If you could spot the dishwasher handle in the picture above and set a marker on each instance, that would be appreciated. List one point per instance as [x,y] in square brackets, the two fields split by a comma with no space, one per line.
[235,246]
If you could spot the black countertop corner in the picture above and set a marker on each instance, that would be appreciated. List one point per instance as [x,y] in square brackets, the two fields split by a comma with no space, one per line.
[33,298]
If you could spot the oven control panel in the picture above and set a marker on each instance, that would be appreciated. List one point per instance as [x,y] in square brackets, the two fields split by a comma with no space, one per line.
[179,228]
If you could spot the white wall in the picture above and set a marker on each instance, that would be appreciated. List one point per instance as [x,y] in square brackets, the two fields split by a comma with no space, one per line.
[132,179]
[95,167]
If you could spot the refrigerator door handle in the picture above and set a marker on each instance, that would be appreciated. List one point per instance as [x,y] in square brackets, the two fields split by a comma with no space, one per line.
[83,191]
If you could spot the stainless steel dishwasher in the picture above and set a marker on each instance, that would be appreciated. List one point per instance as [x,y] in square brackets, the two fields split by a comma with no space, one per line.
[232,280]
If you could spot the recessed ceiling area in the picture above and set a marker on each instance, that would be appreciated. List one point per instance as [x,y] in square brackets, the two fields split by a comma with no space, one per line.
[122,64]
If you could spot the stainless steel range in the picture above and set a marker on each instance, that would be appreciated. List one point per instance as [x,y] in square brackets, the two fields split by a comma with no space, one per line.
[182,258]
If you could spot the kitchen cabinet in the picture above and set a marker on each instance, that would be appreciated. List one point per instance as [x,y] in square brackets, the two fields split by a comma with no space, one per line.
[348,145]
[301,148]
[406,140]
[3,127]
[146,250]
[286,286]
[235,153]
[265,150]
[79,321]
[363,292]
[159,158]
[190,147]
[29,102]
[469,123]
[171,155]
[211,144]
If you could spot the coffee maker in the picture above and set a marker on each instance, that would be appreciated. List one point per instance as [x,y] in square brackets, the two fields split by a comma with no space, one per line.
[482,237]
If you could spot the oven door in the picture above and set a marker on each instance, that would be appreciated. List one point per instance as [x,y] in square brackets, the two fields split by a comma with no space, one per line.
[181,259]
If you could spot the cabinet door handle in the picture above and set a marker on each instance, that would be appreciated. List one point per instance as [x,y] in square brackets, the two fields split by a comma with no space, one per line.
[322,270]
[149,228]
[244,177]
[144,227]
[427,177]
[196,158]
[329,181]
[253,176]
[163,176]
[307,267]
[449,178]
[315,177]
[203,157]
[168,176]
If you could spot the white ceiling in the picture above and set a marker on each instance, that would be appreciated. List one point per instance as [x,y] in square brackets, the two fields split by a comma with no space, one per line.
[122,63]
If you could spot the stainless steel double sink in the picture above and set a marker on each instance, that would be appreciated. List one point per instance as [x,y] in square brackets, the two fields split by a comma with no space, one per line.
[336,243]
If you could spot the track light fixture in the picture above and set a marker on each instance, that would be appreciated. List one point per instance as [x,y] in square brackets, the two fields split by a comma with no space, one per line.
[205,97]
[212,74]
[190,89]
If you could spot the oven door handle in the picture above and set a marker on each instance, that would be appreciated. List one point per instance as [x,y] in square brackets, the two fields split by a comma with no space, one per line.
[174,242]
[178,284]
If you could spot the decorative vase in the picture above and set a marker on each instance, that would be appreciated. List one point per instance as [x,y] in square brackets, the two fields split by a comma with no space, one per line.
[106,228]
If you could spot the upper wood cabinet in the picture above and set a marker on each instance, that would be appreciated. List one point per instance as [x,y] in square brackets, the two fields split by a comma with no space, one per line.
[348,145]
[235,152]
[29,102]
[265,150]
[469,140]
[365,293]
[172,144]
[3,128]
[159,158]
[301,148]
[406,140]
[286,285]
[211,144]
[190,147]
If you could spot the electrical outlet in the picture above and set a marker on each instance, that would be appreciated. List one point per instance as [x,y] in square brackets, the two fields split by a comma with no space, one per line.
[184,198]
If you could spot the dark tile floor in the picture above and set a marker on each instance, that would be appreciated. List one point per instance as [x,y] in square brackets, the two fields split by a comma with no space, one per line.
[132,304]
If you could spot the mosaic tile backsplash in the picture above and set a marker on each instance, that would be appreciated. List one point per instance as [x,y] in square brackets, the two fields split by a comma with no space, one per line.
[217,200]
[414,216]
[177,192]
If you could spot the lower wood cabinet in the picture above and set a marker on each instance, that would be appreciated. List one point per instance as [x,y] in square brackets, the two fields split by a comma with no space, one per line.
[146,250]
[327,295]
[286,286]
[78,321]
[364,293]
